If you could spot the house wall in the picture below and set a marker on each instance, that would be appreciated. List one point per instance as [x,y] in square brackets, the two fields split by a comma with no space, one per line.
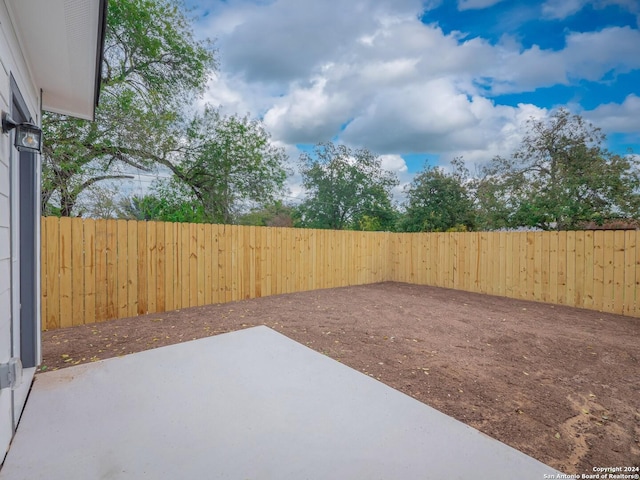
[12,65]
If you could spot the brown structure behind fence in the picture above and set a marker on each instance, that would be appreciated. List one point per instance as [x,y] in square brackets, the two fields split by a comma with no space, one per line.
[95,270]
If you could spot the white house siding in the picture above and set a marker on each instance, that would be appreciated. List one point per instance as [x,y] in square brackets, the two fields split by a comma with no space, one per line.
[11,64]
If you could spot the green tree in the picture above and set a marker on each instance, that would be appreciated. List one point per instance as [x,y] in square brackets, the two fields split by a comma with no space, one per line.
[161,208]
[561,177]
[275,214]
[230,161]
[152,68]
[346,189]
[438,201]
[98,202]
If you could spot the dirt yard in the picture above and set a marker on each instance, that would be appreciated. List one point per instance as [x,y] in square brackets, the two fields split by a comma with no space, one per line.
[560,384]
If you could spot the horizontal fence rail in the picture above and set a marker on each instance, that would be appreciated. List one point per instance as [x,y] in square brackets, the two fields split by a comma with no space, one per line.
[96,270]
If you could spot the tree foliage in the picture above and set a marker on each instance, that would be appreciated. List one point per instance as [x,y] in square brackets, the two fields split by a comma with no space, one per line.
[229,163]
[151,52]
[561,177]
[275,214]
[438,201]
[162,208]
[152,67]
[346,189]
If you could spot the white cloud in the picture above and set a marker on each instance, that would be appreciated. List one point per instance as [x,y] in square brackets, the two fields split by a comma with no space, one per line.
[288,39]
[476,4]
[615,117]
[417,118]
[586,56]
[560,9]
[396,164]
[371,74]
[221,92]
[527,70]
[591,55]
[503,129]
[379,79]
[308,114]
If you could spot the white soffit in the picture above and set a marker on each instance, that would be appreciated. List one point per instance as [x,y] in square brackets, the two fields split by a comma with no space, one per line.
[62,42]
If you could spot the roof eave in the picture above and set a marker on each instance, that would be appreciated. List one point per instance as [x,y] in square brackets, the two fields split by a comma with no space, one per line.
[100,53]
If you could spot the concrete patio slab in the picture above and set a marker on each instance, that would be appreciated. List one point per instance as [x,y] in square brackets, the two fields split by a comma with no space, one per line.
[252,405]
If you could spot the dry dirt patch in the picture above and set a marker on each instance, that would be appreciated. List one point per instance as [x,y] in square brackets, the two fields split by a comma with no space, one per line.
[560,384]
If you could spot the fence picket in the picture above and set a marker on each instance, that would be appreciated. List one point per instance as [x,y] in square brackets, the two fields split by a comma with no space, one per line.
[66,284]
[209,283]
[77,273]
[202,262]
[112,273]
[89,233]
[101,271]
[122,253]
[161,252]
[608,293]
[44,297]
[152,268]
[142,268]
[544,267]
[571,269]
[132,268]
[618,271]
[579,293]
[52,293]
[562,268]
[169,259]
[598,270]
[630,291]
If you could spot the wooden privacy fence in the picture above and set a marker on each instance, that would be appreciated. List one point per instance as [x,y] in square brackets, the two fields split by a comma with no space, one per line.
[94,270]
[598,270]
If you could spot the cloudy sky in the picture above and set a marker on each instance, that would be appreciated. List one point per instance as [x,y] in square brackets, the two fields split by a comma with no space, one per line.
[424,81]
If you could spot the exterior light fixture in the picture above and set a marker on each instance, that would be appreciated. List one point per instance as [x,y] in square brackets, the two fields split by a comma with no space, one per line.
[28,136]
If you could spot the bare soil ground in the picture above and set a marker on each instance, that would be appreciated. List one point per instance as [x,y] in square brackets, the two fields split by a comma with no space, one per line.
[560,384]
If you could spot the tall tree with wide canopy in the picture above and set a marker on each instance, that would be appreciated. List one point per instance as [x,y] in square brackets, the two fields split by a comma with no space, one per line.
[561,177]
[230,164]
[438,201]
[346,189]
[152,68]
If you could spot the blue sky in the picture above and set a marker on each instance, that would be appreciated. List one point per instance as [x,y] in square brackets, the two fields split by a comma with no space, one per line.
[418,81]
